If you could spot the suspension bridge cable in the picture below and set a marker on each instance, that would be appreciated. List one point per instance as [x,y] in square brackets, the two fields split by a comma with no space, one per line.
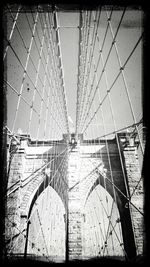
[12,30]
[94,211]
[20,233]
[105,186]
[93,219]
[56,126]
[105,239]
[54,174]
[105,196]
[57,78]
[112,85]
[104,65]
[91,236]
[92,48]
[29,178]
[85,60]
[83,48]
[120,130]
[42,232]
[112,183]
[101,159]
[59,55]
[109,219]
[25,71]
[21,90]
[125,83]
[23,41]
[41,104]
[16,92]
[36,79]
[91,225]
[113,228]
[96,170]
[61,112]
[112,113]
[127,198]
[78,81]
[35,42]
[104,223]
[50,181]
[62,77]
[40,55]
[99,227]
[107,148]
[43,218]
[109,222]
[95,71]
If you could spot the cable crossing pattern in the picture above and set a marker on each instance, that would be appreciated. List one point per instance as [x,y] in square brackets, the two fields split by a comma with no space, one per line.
[108,137]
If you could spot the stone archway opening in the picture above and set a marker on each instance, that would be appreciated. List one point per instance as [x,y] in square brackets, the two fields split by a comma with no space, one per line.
[101,230]
[47,228]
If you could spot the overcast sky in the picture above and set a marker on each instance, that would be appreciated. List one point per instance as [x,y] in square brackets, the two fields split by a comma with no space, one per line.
[127,37]
[129,33]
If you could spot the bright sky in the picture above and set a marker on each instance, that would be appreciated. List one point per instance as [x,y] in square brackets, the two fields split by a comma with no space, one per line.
[127,37]
[129,33]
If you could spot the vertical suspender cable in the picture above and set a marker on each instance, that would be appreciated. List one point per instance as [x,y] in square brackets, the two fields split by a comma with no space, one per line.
[62,76]
[125,84]
[24,75]
[78,82]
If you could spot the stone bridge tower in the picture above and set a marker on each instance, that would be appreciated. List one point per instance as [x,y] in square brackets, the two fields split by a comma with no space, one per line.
[73,175]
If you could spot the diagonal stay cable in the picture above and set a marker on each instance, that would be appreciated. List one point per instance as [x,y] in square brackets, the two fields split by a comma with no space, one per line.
[120,130]
[92,49]
[104,65]
[53,176]
[129,200]
[80,68]
[95,71]
[55,173]
[112,85]
[25,69]
[42,232]
[85,61]
[83,51]
[62,77]
[96,170]
[54,66]
[92,46]
[114,122]
[21,233]
[12,30]
[113,229]
[25,101]
[126,87]
[36,172]
[78,81]
[23,41]
[25,72]
[110,223]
